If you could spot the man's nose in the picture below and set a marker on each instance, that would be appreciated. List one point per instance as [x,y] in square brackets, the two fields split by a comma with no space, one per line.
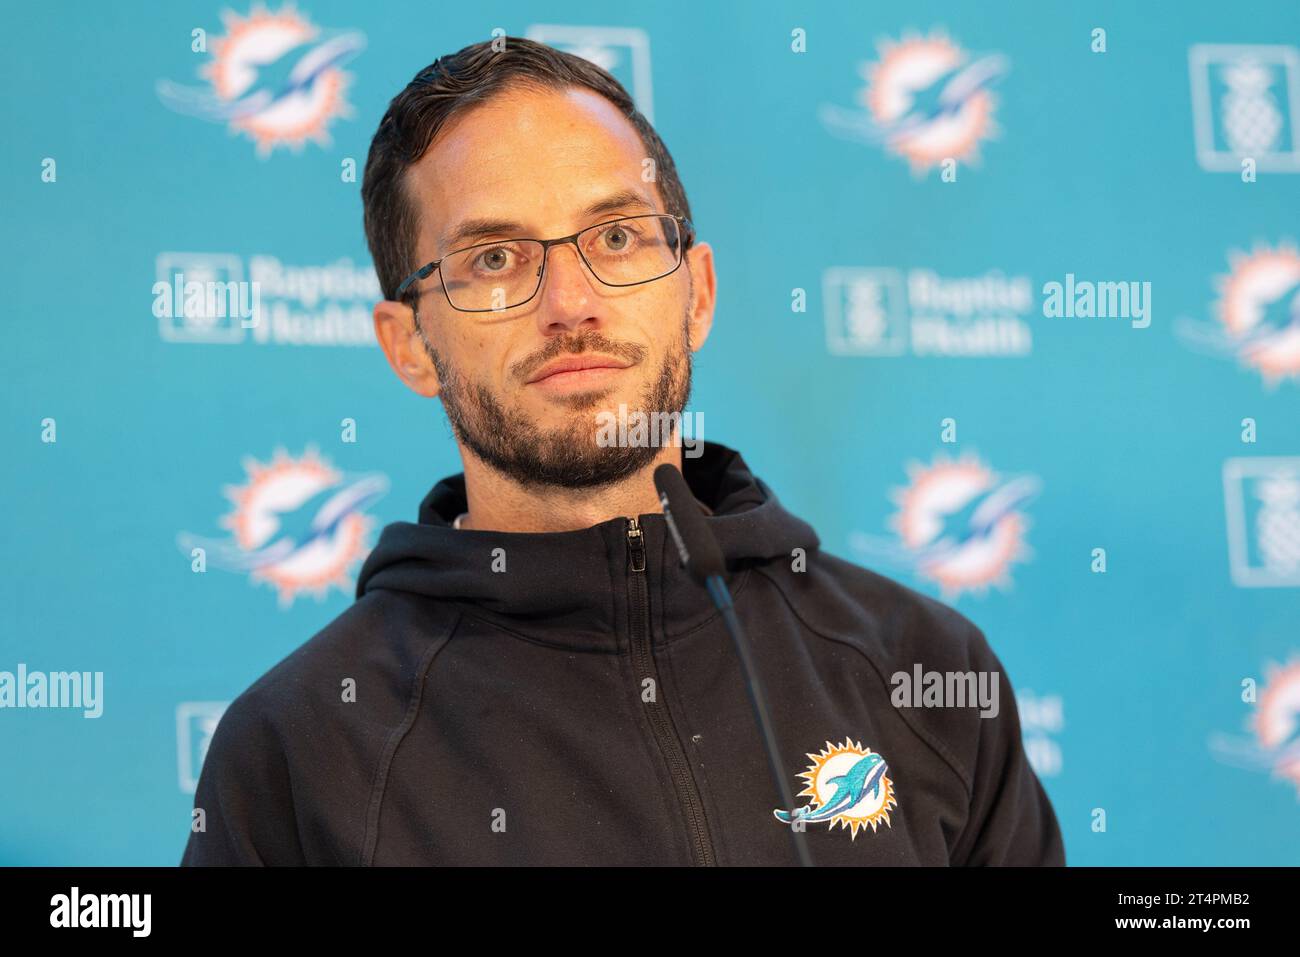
[568,291]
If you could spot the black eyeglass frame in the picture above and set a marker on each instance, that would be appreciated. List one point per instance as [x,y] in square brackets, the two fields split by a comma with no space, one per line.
[685,227]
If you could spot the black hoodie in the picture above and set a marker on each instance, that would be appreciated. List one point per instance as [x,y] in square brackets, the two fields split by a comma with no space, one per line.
[573,698]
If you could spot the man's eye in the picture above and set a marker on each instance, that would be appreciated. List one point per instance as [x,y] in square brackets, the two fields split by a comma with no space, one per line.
[496,259]
[618,239]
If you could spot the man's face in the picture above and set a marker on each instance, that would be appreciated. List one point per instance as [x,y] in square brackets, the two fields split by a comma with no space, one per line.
[543,165]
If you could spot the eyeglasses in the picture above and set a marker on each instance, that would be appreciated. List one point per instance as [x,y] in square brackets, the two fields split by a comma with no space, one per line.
[505,273]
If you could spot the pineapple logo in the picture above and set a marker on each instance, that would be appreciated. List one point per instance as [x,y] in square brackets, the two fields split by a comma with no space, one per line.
[1262,497]
[1246,105]
[1251,119]
[1277,523]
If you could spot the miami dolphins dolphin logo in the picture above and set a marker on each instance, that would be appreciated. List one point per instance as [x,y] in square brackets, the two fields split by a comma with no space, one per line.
[1276,726]
[275,77]
[848,786]
[926,100]
[959,524]
[299,524]
[1257,313]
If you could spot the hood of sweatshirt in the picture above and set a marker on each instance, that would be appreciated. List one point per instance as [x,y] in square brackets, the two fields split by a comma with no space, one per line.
[569,588]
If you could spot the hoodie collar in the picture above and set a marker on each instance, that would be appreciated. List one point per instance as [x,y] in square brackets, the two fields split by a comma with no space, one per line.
[570,589]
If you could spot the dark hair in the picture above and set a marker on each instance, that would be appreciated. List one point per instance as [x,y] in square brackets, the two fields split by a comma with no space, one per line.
[452,84]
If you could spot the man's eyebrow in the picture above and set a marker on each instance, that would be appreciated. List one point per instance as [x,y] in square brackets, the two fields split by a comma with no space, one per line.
[623,199]
[467,232]
[470,230]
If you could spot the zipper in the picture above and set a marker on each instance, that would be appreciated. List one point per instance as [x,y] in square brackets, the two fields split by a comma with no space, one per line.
[665,736]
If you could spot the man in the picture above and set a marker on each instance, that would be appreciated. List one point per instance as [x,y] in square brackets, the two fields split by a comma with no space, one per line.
[535,678]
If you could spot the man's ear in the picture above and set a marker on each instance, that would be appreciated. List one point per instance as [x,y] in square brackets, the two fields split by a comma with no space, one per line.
[705,283]
[395,330]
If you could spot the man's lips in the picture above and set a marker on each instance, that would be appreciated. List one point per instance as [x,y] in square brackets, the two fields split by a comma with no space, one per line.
[565,368]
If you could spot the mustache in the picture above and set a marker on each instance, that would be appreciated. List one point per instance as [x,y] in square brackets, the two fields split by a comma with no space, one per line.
[588,341]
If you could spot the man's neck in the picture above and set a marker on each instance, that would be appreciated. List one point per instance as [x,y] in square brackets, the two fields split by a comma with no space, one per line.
[498,503]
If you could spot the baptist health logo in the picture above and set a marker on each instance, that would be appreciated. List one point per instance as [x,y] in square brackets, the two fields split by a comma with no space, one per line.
[1275,726]
[217,298]
[1246,105]
[959,524]
[1042,719]
[1262,500]
[274,77]
[297,524]
[623,52]
[196,722]
[875,311]
[925,99]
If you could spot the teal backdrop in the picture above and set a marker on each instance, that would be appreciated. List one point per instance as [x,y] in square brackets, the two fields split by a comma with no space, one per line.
[1104,477]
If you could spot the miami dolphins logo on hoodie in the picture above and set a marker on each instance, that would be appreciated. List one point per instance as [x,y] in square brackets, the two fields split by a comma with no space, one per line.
[848,786]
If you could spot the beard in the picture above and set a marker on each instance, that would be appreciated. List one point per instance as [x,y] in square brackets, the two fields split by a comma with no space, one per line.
[566,456]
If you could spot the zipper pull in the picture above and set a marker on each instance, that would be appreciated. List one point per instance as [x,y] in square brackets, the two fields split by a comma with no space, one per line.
[636,545]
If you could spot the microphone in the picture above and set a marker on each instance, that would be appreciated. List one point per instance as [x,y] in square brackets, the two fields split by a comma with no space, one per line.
[703,561]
